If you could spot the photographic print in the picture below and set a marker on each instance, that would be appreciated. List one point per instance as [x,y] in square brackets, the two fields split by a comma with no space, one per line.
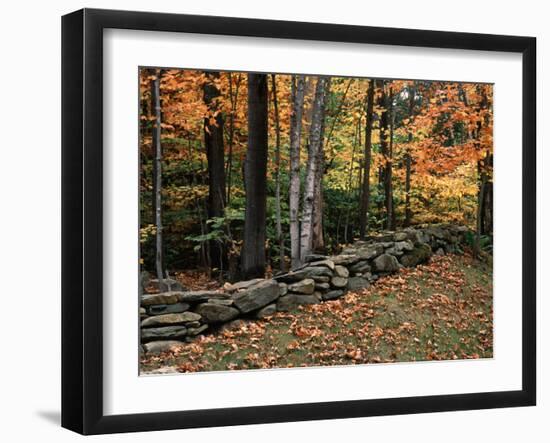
[296,220]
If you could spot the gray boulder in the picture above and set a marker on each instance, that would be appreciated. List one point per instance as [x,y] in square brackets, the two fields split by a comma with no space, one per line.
[283,289]
[256,296]
[164,333]
[386,263]
[213,313]
[399,248]
[306,286]
[291,301]
[360,267]
[400,236]
[370,252]
[337,293]
[357,283]
[323,287]
[420,254]
[339,282]
[170,319]
[341,271]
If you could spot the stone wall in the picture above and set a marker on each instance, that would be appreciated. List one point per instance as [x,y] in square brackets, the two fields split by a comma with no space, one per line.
[171,317]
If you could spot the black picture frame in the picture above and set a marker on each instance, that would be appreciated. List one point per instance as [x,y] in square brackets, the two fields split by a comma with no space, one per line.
[82,215]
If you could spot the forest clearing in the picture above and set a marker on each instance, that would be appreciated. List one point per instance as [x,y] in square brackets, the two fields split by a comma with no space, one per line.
[301,220]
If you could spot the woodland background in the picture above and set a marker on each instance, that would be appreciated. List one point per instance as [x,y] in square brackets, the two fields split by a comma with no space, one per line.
[325,161]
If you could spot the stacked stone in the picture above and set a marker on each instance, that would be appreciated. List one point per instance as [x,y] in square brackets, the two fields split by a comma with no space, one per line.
[175,316]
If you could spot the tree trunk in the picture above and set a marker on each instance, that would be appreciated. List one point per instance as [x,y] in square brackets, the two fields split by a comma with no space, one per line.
[318,239]
[408,162]
[213,141]
[487,228]
[253,252]
[382,103]
[388,184]
[348,236]
[155,102]
[365,195]
[233,98]
[298,83]
[315,144]
[279,230]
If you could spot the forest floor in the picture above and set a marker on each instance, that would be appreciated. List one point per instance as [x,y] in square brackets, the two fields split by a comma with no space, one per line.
[438,311]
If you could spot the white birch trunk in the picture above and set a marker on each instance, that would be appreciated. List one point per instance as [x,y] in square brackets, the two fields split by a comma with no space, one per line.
[315,144]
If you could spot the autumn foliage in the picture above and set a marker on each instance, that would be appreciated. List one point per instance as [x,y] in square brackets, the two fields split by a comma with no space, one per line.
[430,160]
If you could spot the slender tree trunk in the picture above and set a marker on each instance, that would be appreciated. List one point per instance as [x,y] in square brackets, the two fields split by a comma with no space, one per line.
[253,253]
[408,162]
[298,83]
[279,230]
[347,235]
[213,141]
[388,185]
[384,136]
[233,98]
[365,195]
[155,101]
[479,214]
[306,234]
[318,239]
[487,228]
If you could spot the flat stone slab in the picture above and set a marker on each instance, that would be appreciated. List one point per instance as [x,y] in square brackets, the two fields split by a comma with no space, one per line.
[167,309]
[196,331]
[214,313]
[163,298]
[327,263]
[170,319]
[200,296]
[301,274]
[241,285]
[164,333]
